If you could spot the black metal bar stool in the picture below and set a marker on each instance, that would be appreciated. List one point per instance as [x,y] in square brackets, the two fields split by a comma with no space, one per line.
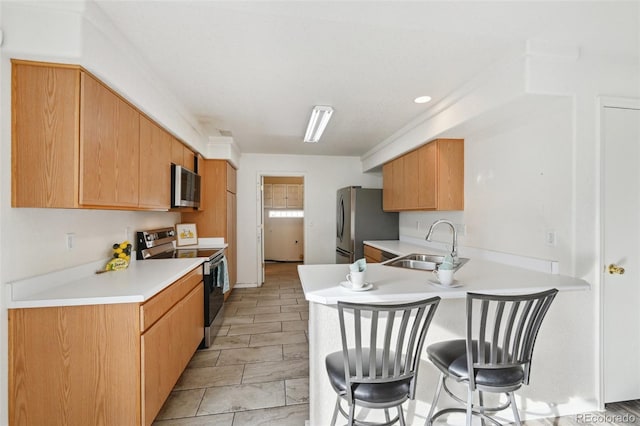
[379,371]
[497,351]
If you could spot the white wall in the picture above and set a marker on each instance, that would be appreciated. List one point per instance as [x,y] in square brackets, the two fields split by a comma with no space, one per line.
[518,185]
[323,176]
[32,241]
[283,238]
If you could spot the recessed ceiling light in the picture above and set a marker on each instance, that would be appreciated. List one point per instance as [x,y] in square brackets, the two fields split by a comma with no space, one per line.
[422,99]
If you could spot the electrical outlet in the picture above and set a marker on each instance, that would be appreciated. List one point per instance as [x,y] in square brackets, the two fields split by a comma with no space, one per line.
[461,229]
[550,238]
[70,240]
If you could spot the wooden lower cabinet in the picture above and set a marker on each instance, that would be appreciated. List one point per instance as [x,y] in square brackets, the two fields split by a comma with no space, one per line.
[372,254]
[163,363]
[92,365]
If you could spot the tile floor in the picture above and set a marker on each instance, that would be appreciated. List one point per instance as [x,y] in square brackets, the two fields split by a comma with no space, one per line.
[257,371]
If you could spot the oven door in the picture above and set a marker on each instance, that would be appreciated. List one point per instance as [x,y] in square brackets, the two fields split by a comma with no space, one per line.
[213,301]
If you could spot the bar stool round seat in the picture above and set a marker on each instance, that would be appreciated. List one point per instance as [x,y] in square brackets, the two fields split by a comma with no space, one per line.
[378,364]
[452,356]
[365,392]
[494,357]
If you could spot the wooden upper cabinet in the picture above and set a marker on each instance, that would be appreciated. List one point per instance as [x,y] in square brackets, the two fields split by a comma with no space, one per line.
[393,184]
[109,147]
[182,155]
[231,178]
[78,144]
[45,106]
[155,182]
[428,178]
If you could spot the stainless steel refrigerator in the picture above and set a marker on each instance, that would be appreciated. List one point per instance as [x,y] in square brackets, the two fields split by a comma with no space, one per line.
[360,217]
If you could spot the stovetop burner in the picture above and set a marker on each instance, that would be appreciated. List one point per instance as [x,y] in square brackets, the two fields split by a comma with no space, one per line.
[182,253]
[160,244]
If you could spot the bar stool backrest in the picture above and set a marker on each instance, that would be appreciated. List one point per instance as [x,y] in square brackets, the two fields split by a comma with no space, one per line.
[389,337]
[502,330]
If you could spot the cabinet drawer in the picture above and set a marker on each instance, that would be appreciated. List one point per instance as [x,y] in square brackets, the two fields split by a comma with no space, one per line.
[158,305]
[373,254]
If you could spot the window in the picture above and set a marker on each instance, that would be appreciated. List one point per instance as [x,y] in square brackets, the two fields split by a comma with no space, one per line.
[286,213]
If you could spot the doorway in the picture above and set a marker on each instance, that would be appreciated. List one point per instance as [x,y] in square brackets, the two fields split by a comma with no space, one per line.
[282,220]
[620,249]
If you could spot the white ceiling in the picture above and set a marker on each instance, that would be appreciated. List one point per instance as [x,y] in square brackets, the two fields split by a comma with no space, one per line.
[256,69]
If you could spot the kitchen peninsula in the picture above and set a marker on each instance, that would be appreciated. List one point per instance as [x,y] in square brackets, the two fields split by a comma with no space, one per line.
[391,284]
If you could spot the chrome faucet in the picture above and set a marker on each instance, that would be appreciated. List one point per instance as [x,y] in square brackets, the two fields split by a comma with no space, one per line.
[454,247]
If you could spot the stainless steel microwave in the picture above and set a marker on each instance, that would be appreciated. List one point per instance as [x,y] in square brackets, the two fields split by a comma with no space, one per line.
[185,187]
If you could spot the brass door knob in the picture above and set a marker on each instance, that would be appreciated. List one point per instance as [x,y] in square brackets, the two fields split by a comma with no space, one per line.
[615,269]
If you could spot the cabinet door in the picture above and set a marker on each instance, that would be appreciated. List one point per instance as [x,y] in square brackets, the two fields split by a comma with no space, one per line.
[231,178]
[294,196]
[387,186]
[177,152]
[74,365]
[45,108]
[267,195]
[231,239]
[188,158]
[393,181]
[279,196]
[450,175]
[412,185]
[155,172]
[427,176]
[109,147]
[167,348]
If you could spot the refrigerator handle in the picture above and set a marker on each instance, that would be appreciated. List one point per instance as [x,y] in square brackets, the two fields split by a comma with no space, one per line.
[341,220]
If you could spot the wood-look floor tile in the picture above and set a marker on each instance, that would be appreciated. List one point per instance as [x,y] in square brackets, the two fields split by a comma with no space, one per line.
[204,358]
[297,390]
[257,328]
[182,403]
[258,310]
[250,355]
[286,316]
[229,342]
[282,338]
[212,420]
[275,370]
[295,325]
[296,351]
[225,399]
[204,377]
[293,415]
[277,302]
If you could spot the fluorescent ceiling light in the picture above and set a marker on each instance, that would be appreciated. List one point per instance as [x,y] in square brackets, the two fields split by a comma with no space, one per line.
[319,118]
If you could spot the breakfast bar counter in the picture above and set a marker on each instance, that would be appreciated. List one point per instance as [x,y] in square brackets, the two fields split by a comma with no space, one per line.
[323,289]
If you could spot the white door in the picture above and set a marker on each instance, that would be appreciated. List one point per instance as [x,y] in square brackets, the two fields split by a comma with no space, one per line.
[621,240]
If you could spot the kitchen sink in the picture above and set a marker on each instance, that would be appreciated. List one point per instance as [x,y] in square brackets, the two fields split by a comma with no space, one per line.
[423,262]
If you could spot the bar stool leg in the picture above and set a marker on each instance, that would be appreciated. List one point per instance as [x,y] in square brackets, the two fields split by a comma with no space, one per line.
[469,405]
[335,412]
[514,407]
[428,422]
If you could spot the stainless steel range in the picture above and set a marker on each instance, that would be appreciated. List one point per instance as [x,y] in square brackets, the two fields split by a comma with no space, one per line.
[160,244]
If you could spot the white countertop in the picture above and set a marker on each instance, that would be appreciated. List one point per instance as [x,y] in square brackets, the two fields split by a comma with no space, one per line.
[80,285]
[321,283]
[139,282]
